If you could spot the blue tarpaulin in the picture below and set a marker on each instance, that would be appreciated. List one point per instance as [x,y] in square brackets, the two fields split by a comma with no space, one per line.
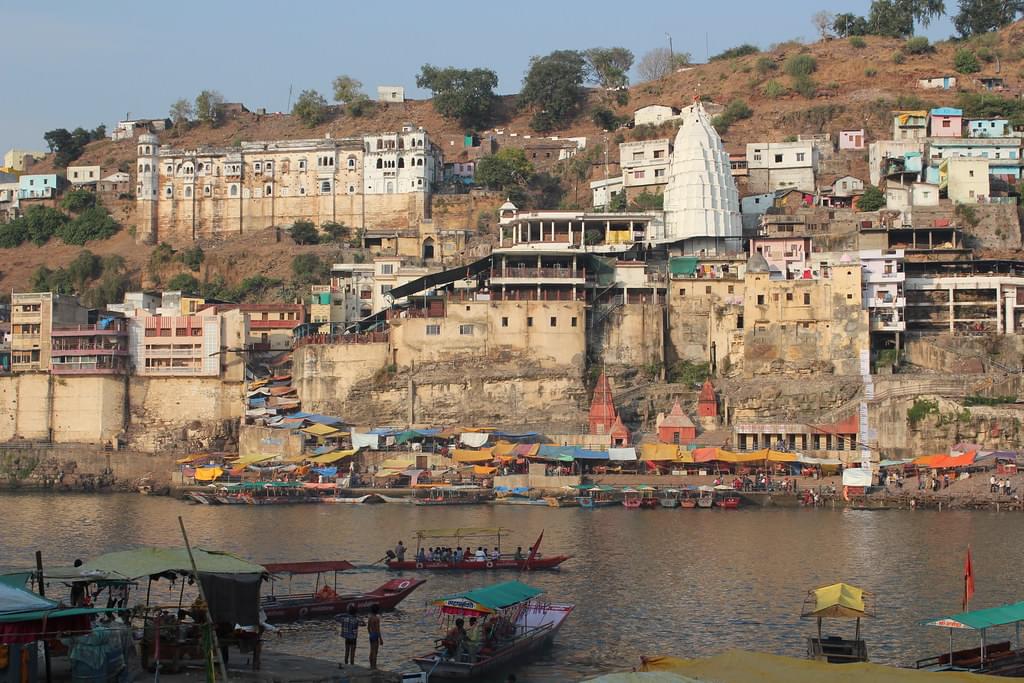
[326,471]
[324,450]
[584,454]
[509,436]
[322,419]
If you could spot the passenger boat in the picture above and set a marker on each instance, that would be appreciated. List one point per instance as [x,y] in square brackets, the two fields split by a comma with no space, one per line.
[669,499]
[706,498]
[993,657]
[468,537]
[726,497]
[648,496]
[515,624]
[268,493]
[368,499]
[595,496]
[325,600]
[452,495]
[561,502]
[843,601]
[631,499]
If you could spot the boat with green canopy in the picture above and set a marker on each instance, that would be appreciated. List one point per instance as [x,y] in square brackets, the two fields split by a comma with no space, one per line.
[1000,658]
[595,495]
[837,601]
[513,622]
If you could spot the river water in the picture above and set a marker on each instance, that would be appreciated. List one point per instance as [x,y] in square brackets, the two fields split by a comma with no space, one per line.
[680,582]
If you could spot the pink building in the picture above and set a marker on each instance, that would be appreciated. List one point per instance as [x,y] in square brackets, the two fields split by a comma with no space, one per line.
[946,122]
[786,256]
[851,139]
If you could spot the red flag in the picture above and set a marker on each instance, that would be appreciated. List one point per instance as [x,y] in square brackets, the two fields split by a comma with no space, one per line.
[968,579]
[533,552]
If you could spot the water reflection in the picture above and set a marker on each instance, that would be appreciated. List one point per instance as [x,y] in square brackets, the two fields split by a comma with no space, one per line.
[684,582]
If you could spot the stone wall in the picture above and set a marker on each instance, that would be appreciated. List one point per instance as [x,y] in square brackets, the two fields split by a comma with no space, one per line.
[968,355]
[43,407]
[183,413]
[634,335]
[998,226]
[325,374]
[80,468]
[253,440]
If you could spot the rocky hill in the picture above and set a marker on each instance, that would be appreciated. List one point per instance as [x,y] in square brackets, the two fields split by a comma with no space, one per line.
[855,83]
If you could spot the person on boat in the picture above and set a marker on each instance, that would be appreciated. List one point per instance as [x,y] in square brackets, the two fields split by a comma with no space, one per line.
[519,553]
[458,555]
[453,640]
[350,623]
[400,551]
[421,555]
[474,638]
[480,555]
[496,553]
[376,639]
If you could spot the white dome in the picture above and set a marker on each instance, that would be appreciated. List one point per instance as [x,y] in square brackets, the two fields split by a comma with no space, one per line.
[701,199]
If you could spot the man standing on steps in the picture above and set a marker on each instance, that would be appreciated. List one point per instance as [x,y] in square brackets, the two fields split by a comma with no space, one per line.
[376,640]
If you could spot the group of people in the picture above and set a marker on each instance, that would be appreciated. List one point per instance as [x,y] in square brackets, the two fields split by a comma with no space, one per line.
[460,554]
[1000,486]
[350,623]
[466,642]
[933,482]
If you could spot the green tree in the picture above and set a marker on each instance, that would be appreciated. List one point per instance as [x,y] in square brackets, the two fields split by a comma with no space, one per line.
[94,223]
[918,45]
[67,146]
[255,288]
[13,234]
[184,283]
[42,223]
[609,67]
[660,62]
[734,52]
[981,16]
[801,65]
[349,92]
[181,113]
[78,200]
[466,95]
[86,266]
[895,18]
[966,62]
[310,108]
[553,87]
[304,232]
[873,199]
[846,25]
[309,269]
[192,258]
[335,232]
[508,168]
[210,107]
[648,201]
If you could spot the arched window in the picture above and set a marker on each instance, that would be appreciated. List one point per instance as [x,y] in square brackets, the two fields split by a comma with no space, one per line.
[401,162]
[234,190]
[380,163]
[268,190]
[140,168]
[188,191]
[147,168]
[390,187]
[351,162]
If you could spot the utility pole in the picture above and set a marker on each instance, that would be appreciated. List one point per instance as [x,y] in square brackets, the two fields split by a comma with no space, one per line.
[671,54]
[707,48]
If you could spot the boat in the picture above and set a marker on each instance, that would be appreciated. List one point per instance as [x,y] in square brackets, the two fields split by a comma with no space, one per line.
[325,600]
[467,537]
[368,499]
[669,499]
[992,656]
[401,500]
[595,496]
[631,499]
[648,496]
[561,502]
[843,601]
[726,497]
[516,624]
[199,498]
[452,495]
[706,498]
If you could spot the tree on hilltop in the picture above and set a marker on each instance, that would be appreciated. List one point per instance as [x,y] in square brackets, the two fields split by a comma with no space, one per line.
[507,169]
[847,24]
[310,108]
[823,21]
[660,62]
[181,113]
[210,107]
[982,16]
[553,87]
[466,95]
[608,67]
[895,18]
[349,92]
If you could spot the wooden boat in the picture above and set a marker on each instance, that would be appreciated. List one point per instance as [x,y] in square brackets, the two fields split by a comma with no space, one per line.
[840,600]
[368,499]
[688,503]
[728,501]
[669,499]
[631,499]
[993,657]
[515,625]
[325,600]
[452,495]
[706,498]
[461,537]
[595,496]
[199,498]
[648,497]
[401,500]
[561,502]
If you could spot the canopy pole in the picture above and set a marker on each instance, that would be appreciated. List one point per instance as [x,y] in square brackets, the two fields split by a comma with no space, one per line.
[1017,629]
[202,595]
[42,594]
[950,648]
[982,648]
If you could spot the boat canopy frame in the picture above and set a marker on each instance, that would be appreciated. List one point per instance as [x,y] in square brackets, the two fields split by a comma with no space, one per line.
[981,620]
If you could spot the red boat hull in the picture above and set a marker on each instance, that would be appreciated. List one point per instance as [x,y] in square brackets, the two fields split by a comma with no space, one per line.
[295,608]
[550,562]
[728,503]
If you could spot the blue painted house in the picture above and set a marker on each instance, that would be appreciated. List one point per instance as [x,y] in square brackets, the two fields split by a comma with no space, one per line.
[1003,154]
[988,128]
[37,186]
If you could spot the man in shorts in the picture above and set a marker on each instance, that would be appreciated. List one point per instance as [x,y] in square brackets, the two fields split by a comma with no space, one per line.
[373,628]
[350,624]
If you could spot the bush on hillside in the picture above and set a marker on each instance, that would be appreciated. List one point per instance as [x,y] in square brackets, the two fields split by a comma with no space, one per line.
[858,43]
[773,89]
[966,62]
[733,112]
[91,224]
[766,65]
[184,283]
[192,257]
[309,269]
[898,58]
[873,199]
[304,232]
[78,200]
[806,86]
[918,45]
[734,52]
[801,65]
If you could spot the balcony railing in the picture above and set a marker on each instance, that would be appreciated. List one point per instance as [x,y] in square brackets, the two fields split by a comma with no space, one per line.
[539,273]
[88,330]
[367,338]
[273,324]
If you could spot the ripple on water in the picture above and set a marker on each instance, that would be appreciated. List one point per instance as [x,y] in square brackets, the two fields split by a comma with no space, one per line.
[682,582]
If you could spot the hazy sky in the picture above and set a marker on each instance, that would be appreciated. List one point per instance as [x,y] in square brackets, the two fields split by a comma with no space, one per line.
[69,64]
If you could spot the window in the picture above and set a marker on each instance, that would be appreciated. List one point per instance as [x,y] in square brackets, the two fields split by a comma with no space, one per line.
[799,156]
[268,190]
[637,156]
[188,191]
[707,289]
[207,191]
[778,158]
[730,289]
[760,299]
[168,192]
[659,173]
[257,167]
[682,291]
[849,296]
[234,191]
[325,187]
[302,191]
[504,321]
[572,321]
[639,174]
[351,162]
[529,322]
[384,289]
[466,330]
[387,268]
[659,154]
[757,156]
[945,123]
[433,330]
[807,298]
[380,163]
[789,296]
[302,164]
[970,173]
[268,166]
[739,321]
[553,322]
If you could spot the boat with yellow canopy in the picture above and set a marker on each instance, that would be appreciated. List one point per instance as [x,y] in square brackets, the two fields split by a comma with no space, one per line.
[839,601]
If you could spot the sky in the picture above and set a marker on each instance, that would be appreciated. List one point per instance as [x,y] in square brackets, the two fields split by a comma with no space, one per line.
[70,64]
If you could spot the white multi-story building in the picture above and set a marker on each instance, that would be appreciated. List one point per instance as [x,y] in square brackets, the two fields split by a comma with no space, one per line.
[882,289]
[645,166]
[782,165]
[400,162]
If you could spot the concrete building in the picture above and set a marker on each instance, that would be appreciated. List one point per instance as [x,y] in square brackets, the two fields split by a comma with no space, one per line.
[175,346]
[782,165]
[903,197]
[945,122]
[603,191]
[702,206]
[852,139]
[38,186]
[21,159]
[676,427]
[909,125]
[644,166]
[1003,154]
[896,159]
[98,348]
[967,302]
[390,272]
[351,294]
[33,319]
[988,128]
[944,82]
[270,326]
[116,184]
[135,303]
[965,179]
[390,93]
[376,180]
[655,115]
[883,280]
[83,175]
[787,257]
[129,129]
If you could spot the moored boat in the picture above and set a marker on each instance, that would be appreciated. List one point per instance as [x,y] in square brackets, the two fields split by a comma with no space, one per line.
[631,499]
[325,600]
[843,601]
[520,560]
[706,498]
[514,624]
[993,657]
[453,495]
[595,496]
[669,499]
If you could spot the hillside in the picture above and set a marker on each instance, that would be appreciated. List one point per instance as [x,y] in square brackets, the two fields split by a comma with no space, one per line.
[856,87]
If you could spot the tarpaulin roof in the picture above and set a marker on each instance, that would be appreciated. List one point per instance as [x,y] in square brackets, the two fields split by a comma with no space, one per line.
[324,419]
[584,454]
[837,600]
[981,618]
[943,461]
[410,434]
[504,448]
[622,454]
[318,429]
[252,459]
[208,473]
[398,463]
[465,455]
[484,471]
[142,562]
[490,598]
[659,451]
[560,453]
[857,476]
[334,456]
[737,666]
[462,532]
[524,436]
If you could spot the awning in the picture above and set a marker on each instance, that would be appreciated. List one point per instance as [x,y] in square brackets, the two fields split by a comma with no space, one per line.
[943,461]
[252,459]
[659,451]
[322,430]
[837,600]
[484,471]
[474,439]
[585,454]
[857,476]
[468,456]
[504,448]
[360,440]
[398,463]
[489,599]
[982,618]
[622,454]
[208,473]
[144,562]
[328,458]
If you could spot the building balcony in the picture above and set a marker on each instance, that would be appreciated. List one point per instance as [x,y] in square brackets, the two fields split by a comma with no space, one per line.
[274,324]
[89,351]
[882,325]
[890,302]
[64,369]
[88,331]
[172,371]
[882,278]
[526,275]
[172,353]
[25,341]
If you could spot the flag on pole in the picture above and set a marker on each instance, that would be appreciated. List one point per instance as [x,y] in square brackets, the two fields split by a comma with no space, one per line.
[968,579]
[533,552]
